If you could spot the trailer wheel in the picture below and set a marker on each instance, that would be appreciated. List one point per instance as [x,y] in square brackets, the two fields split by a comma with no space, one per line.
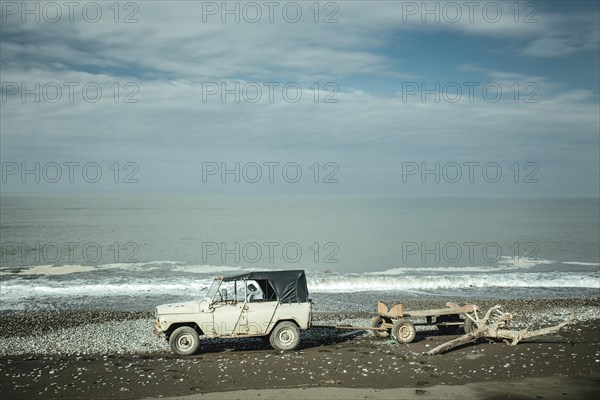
[404,331]
[184,341]
[377,322]
[285,336]
[469,325]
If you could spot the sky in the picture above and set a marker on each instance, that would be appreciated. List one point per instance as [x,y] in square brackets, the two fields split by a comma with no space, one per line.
[487,98]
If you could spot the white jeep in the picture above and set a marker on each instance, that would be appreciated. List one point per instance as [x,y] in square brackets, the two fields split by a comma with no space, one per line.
[273,305]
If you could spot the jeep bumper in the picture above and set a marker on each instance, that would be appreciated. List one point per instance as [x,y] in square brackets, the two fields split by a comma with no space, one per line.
[157,330]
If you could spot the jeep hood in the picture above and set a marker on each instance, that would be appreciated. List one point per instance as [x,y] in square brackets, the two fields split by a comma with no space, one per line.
[188,307]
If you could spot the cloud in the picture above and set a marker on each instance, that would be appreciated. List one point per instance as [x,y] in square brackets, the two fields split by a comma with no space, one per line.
[174,116]
[171,53]
[195,49]
[531,29]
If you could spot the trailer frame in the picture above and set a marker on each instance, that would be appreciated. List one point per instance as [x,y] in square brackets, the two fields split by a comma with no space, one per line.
[396,322]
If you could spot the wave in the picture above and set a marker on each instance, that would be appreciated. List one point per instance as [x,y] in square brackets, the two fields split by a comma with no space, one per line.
[508,262]
[57,269]
[215,269]
[27,288]
[587,264]
[432,282]
[505,263]
[411,270]
[168,266]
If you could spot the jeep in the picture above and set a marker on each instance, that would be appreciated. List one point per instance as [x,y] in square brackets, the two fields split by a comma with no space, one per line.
[272,305]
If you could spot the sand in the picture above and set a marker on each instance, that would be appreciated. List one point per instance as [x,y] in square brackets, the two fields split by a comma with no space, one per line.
[328,364]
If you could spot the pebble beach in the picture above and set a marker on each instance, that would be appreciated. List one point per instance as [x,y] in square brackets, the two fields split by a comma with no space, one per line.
[113,354]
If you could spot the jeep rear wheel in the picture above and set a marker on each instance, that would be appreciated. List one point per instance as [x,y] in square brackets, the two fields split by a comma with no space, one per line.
[285,336]
[184,341]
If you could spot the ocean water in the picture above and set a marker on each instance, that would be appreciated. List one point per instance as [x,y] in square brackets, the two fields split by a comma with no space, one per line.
[132,253]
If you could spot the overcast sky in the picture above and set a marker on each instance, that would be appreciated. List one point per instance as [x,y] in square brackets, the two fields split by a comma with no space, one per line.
[359,96]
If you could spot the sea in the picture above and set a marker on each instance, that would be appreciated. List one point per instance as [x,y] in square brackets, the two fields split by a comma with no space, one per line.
[135,252]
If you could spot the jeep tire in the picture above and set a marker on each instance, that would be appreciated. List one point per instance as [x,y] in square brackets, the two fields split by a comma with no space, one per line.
[184,341]
[285,336]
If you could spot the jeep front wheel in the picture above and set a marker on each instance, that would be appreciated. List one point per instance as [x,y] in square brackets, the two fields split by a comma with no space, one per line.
[285,336]
[184,341]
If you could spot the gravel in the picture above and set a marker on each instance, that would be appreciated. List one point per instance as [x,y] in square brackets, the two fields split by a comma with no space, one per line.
[109,332]
[115,337]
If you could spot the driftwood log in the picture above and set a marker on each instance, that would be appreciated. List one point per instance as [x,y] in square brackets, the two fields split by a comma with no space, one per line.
[493,326]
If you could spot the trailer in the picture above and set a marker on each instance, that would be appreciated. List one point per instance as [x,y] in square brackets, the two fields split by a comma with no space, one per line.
[275,306]
[396,322]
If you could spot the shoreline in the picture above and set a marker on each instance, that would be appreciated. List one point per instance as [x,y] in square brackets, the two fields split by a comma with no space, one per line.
[326,358]
[35,322]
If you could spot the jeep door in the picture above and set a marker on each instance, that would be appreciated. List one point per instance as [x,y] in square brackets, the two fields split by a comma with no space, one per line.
[256,317]
[226,312]
[258,309]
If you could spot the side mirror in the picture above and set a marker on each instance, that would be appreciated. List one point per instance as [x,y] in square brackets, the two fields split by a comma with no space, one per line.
[224,295]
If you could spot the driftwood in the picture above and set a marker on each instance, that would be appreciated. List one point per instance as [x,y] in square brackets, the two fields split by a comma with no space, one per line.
[493,326]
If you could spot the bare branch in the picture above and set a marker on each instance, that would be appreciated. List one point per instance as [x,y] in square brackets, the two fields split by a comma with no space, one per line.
[493,329]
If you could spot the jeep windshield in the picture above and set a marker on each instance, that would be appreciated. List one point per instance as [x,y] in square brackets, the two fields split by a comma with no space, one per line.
[214,288]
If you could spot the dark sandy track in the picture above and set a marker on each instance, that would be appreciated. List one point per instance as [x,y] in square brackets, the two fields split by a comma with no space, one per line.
[326,358]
